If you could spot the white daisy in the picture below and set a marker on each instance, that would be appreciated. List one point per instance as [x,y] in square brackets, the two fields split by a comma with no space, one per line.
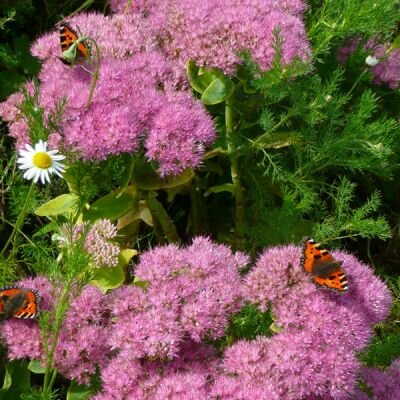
[39,162]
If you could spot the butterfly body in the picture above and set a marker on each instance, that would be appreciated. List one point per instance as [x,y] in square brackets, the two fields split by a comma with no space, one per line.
[324,269]
[18,303]
[68,37]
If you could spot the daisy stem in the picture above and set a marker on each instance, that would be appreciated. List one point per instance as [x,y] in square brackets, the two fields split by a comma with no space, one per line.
[18,224]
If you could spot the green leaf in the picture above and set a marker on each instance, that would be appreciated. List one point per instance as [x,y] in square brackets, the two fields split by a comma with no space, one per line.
[76,178]
[146,178]
[218,91]
[16,380]
[66,203]
[36,367]
[142,213]
[78,392]
[29,64]
[128,165]
[278,140]
[275,328]
[112,277]
[112,206]
[396,42]
[225,187]
[192,71]
[142,284]
[108,277]
[125,256]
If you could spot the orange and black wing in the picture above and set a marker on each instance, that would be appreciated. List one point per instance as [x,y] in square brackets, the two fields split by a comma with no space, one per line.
[324,269]
[18,303]
[67,37]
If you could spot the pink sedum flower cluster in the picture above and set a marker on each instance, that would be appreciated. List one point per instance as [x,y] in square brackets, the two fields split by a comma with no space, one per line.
[140,102]
[386,71]
[136,85]
[190,293]
[213,33]
[149,339]
[81,344]
[187,377]
[381,384]
[322,331]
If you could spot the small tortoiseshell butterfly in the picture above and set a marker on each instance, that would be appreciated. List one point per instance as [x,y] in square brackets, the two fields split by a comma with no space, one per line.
[324,269]
[67,37]
[18,303]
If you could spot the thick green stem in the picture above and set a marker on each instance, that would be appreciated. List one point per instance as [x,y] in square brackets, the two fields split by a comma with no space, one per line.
[18,224]
[238,190]
[158,211]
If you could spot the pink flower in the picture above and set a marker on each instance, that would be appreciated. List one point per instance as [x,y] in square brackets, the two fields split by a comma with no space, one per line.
[387,70]
[385,63]
[82,343]
[322,330]
[381,384]
[184,378]
[190,293]
[178,135]
[214,33]
[118,36]
[98,243]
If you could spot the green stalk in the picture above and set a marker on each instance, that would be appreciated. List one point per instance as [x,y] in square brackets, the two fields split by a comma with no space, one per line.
[267,135]
[18,224]
[50,374]
[96,73]
[357,81]
[238,190]
[158,211]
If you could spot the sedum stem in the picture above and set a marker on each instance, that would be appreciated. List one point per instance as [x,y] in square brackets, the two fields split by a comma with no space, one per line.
[158,211]
[238,190]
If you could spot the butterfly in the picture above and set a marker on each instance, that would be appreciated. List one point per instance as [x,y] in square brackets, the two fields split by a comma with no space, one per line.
[67,38]
[324,269]
[18,303]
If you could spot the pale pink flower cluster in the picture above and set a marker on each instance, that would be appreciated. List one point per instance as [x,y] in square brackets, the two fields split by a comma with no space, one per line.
[99,244]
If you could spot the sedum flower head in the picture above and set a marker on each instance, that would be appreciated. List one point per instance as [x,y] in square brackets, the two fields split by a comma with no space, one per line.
[190,293]
[184,378]
[322,330]
[39,162]
[99,245]
[82,343]
[214,33]
[382,384]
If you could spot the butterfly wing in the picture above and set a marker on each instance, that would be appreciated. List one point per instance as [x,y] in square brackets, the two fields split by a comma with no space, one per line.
[67,37]
[324,269]
[18,303]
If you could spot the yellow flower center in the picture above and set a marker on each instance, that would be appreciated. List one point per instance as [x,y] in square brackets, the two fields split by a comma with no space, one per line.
[42,160]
